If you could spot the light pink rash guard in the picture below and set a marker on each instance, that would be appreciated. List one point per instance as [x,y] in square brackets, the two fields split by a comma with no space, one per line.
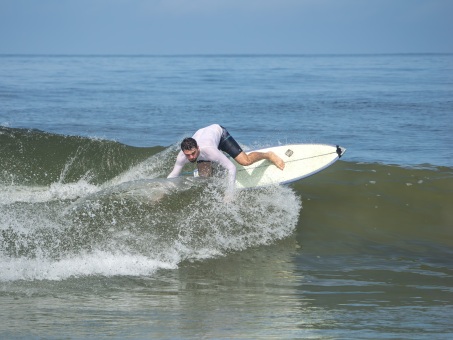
[208,140]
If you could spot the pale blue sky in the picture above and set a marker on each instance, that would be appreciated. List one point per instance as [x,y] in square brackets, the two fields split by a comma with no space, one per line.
[225,26]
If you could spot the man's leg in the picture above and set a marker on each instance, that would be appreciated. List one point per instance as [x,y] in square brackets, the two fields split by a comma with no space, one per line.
[248,159]
[229,145]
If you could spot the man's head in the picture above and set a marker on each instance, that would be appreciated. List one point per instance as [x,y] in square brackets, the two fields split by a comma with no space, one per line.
[190,149]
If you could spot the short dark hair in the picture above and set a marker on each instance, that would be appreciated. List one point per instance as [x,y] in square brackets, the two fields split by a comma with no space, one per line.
[189,143]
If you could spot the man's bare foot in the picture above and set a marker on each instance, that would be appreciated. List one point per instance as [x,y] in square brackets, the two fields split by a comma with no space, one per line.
[276,160]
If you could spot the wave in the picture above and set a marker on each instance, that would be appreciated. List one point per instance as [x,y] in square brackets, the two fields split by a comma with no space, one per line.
[126,221]
[379,205]
[34,157]
[73,206]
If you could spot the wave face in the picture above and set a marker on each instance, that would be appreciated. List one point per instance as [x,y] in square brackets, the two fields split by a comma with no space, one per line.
[363,208]
[73,207]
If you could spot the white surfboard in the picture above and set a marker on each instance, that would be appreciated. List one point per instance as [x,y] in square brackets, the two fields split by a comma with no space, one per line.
[301,160]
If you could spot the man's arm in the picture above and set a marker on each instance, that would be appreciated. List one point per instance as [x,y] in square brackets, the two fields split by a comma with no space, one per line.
[218,156]
[181,160]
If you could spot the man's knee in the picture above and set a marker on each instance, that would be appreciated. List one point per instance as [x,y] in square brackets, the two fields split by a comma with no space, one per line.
[243,159]
[246,162]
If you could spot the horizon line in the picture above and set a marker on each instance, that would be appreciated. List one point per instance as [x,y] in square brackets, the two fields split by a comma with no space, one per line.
[217,54]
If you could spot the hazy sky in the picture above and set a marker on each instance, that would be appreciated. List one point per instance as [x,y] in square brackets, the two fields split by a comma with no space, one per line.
[225,26]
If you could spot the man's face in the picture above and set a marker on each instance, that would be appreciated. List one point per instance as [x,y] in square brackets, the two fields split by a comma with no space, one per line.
[192,154]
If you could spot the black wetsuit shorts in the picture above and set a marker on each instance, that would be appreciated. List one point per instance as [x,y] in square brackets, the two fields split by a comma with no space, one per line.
[228,144]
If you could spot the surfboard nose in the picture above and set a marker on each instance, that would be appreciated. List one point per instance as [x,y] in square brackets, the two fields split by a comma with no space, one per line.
[340,151]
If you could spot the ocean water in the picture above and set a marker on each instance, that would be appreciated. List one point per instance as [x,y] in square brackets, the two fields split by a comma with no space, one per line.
[96,243]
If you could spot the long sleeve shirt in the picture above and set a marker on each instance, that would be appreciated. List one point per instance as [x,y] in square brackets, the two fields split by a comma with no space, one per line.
[208,140]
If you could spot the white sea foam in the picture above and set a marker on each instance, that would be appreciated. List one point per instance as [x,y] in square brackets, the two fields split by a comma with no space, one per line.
[134,227]
[56,191]
[96,263]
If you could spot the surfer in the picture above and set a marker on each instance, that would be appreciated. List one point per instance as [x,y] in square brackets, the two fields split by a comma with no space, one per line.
[206,146]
